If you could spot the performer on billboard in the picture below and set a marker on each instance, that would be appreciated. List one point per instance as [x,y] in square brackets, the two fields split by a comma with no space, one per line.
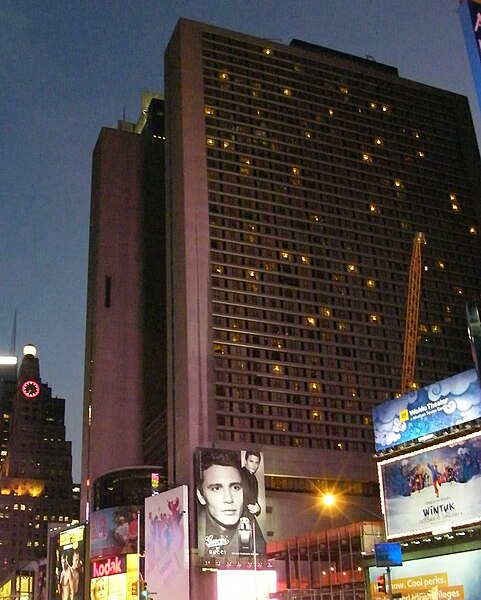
[77,575]
[436,477]
[66,581]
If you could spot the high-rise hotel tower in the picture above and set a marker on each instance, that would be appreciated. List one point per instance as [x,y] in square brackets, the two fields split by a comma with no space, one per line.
[297,178]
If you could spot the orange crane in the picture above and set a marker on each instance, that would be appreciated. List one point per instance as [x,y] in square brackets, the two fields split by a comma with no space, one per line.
[412,315]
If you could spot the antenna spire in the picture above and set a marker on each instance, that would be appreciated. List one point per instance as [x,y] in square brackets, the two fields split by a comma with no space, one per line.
[13,342]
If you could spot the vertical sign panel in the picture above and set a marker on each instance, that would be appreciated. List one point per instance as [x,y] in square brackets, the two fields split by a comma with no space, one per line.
[167,544]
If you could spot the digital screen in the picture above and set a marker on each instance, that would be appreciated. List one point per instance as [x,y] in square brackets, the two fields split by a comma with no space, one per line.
[453,577]
[432,490]
[419,413]
[66,563]
[114,531]
[388,555]
[245,585]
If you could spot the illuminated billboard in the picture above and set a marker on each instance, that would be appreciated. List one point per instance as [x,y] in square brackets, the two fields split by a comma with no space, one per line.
[246,585]
[470,14]
[167,544]
[432,490]
[114,577]
[114,531]
[421,413]
[456,576]
[230,503]
[66,559]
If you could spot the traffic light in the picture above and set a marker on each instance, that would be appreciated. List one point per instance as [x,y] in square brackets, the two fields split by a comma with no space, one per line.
[134,589]
[381,583]
[145,591]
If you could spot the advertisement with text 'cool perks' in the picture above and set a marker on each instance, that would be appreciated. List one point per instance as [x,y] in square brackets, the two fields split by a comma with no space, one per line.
[453,577]
[431,490]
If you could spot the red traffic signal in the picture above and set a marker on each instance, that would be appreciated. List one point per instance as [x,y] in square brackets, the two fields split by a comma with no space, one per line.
[381,583]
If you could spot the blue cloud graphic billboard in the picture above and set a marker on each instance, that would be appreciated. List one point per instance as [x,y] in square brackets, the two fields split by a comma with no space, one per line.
[432,409]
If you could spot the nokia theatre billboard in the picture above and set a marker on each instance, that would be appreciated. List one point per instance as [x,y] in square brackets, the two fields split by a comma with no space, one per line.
[419,414]
[231,503]
[432,490]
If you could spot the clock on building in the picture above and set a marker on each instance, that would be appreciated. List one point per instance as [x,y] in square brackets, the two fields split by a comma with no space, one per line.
[31,389]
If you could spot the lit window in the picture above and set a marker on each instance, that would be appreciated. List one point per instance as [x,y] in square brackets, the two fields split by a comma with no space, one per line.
[225,144]
[286,255]
[416,134]
[313,386]
[454,206]
[373,105]
[385,108]
[326,312]
[420,154]
[315,218]
[473,230]
[252,274]
[339,446]
[459,291]
[452,196]
[379,142]
[223,75]
[341,326]
[287,92]
[267,51]
[366,157]
[244,170]
[435,329]
[398,183]
[441,264]
[330,111]
[370,283]
[295,170]
[307,134]
[351,268]
[423,328]
[277,369]
[305,260]
[344,90]
[317,415]
[245,159]
[311,321]
[374,318]
[374,209]
[209,110]
[210,142]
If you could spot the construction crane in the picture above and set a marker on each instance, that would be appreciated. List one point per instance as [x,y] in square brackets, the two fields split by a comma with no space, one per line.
[412,315]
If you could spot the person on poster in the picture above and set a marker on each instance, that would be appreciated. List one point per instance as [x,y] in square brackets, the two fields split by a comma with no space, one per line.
[99,589]
[225,529]
[77,574]
[436,477]
[66,581]
[252,508]
[250,483]
[220,493]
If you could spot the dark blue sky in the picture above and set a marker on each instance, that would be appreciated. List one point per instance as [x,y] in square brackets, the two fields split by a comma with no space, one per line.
[69,67]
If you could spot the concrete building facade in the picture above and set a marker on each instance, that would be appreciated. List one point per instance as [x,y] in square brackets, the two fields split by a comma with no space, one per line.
[294,182]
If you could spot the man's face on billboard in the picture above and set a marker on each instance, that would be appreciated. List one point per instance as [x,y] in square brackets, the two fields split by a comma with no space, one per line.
[252,463]
[222,494]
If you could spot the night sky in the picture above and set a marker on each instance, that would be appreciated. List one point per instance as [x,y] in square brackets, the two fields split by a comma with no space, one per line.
[69,67]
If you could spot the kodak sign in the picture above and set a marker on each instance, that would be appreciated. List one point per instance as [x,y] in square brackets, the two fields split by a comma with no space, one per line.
[113,565]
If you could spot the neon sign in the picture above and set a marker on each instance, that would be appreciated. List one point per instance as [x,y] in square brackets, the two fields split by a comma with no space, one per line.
[114,565]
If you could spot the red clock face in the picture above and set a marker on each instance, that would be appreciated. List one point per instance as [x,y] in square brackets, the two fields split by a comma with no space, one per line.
[31,389]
